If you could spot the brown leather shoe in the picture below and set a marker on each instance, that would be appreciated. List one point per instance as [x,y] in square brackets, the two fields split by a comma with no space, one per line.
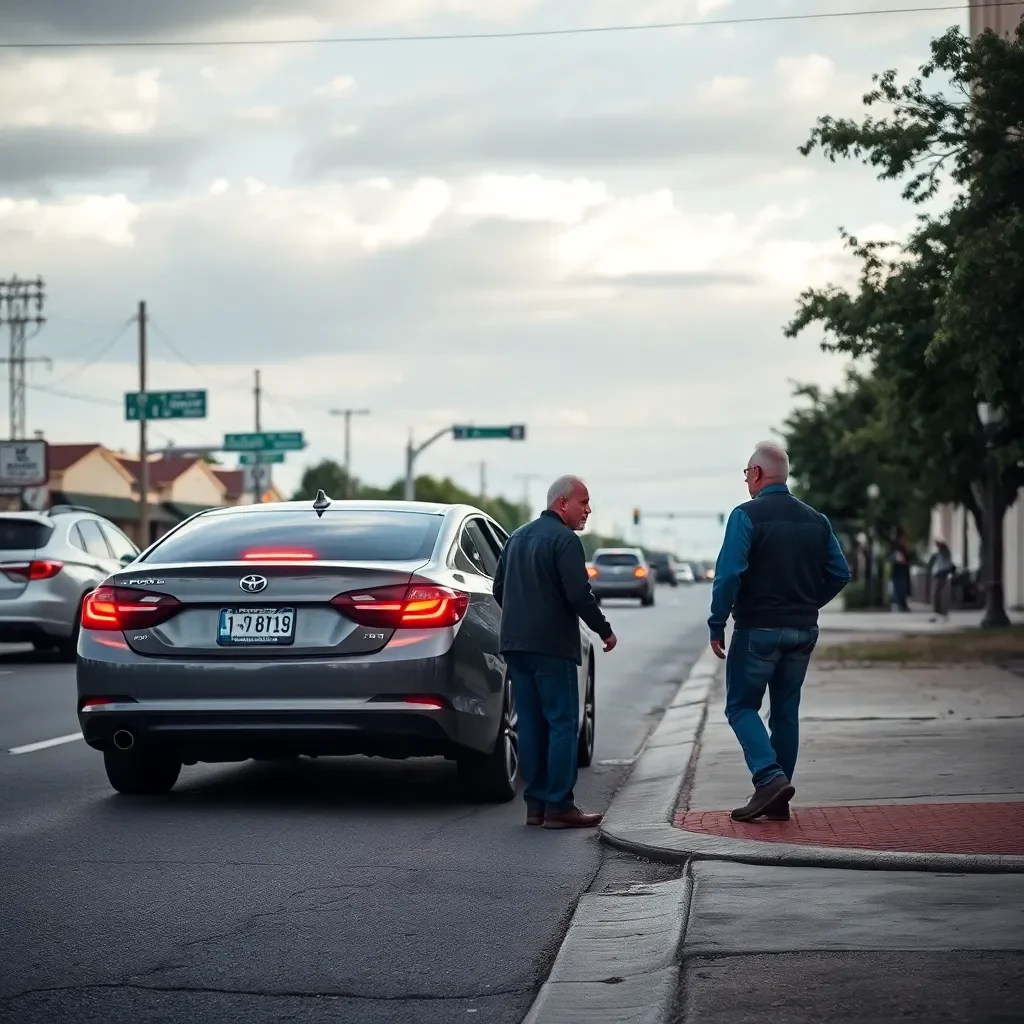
[534,815]
[572,818]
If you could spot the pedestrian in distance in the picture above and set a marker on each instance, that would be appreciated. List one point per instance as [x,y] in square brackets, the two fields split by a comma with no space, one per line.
[779,564]
[544,590]
[942,569]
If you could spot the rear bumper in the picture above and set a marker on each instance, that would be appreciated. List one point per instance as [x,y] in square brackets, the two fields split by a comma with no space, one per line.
[632,588]
[27,618]
[211,730]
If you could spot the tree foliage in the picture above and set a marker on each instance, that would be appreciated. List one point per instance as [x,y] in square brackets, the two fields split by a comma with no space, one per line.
[939,319]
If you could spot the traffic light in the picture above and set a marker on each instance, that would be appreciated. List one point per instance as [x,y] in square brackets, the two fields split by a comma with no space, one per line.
[636,517]
[721,519]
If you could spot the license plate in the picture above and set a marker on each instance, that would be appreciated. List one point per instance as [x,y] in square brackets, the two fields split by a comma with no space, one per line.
[256,626]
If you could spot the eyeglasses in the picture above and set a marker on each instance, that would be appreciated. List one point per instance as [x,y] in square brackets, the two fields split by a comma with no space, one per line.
[748,470]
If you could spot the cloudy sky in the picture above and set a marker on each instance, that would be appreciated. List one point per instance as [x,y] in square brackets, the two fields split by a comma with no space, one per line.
[598,235]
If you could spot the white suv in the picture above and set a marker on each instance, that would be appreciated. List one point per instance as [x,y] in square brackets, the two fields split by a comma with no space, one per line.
[49,561]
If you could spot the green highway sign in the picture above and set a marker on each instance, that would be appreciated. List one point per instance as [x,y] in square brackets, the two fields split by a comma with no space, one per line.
[515,432]
[167,405]
[260,458]
[287,441]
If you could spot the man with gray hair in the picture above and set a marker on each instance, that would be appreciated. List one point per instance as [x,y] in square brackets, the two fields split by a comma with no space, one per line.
[780,563]
[543,589]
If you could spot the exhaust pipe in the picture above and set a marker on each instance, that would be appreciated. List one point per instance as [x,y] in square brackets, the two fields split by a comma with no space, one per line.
[124,740]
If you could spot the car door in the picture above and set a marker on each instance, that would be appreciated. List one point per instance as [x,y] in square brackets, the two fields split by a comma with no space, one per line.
[100,558]
[120,544]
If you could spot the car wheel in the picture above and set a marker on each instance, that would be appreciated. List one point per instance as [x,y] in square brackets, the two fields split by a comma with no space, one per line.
[647,601]
[585,748]
[42,646]
[494,777]
[141,772]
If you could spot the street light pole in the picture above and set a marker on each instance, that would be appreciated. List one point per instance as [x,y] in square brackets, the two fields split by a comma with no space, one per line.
[995,609]
[411,452]
[348,414]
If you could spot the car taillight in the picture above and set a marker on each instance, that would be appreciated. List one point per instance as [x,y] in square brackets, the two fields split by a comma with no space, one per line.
[279,555]
[592,571]
[640,572]
[120,608]
[415,605]
[37,569]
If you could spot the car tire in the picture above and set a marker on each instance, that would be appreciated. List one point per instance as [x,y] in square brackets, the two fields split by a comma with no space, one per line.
[494,777]
[139,773]
[43,646]
[585,746]
[647,601]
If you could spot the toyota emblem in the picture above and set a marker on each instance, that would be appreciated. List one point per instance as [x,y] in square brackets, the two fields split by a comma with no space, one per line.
[253,584]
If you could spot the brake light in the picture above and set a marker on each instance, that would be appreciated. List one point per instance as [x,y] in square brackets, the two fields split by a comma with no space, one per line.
[279,555]
[121,608]
[640,572]
[592,571]
[38,569]
[420,603]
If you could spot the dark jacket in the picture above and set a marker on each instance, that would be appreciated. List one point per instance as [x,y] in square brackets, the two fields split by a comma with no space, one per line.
[543,589]
[780,562]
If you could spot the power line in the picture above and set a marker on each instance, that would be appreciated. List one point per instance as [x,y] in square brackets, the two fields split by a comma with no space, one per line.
[477,36]
[96,356]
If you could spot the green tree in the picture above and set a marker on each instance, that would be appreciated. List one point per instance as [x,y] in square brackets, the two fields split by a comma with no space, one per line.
[326,475]
[941,317]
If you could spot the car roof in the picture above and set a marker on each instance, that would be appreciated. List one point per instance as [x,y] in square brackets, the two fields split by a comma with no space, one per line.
[365,505]
[618,551]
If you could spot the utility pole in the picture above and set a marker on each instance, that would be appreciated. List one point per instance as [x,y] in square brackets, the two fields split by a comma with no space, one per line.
[144,538]
[527,479]
[257,469]
[483,480]
[21,304]
[411,452]
[348,414]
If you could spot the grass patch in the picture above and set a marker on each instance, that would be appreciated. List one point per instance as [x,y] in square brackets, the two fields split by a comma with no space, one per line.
[977,645]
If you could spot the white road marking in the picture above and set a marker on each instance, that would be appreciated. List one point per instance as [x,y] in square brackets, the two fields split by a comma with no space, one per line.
[618,760]
[30,748]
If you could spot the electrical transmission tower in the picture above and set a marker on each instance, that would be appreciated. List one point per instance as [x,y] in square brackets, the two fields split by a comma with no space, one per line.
[21,304]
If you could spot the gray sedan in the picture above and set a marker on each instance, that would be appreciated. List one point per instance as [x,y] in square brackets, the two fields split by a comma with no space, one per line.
[307,628]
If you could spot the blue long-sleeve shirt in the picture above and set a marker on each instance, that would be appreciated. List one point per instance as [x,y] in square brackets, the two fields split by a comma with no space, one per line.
[733,562]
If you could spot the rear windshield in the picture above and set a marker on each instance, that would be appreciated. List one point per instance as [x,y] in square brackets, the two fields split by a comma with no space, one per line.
[618,559]
[23,534]
[340,535]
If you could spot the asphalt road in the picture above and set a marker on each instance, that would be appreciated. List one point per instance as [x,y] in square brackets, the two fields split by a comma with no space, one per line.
[331,890]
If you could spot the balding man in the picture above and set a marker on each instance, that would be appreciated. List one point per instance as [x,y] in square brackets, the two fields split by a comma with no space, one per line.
[780,563]
[543,589]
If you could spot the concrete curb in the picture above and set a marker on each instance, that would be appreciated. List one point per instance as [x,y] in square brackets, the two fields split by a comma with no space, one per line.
[618,963]
[639,818]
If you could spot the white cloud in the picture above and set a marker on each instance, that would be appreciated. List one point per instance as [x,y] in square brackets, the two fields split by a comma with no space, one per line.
[810,77]
[340,85]
[533,198]
[107,219]
[80,92]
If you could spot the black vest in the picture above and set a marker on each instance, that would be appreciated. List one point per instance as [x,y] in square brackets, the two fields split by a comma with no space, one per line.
[786,566]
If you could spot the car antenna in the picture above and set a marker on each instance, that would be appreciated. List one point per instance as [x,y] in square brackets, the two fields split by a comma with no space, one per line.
[321,503]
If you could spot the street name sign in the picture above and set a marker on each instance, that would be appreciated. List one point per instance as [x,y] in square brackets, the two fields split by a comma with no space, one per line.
[24,464]
[515,432]
[167,405]
[261,458]
[286,441]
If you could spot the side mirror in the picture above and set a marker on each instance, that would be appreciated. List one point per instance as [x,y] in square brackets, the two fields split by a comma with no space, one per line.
[127,559]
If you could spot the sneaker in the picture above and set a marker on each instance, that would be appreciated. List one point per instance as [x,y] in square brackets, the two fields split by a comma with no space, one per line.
[778,813]
[766,798]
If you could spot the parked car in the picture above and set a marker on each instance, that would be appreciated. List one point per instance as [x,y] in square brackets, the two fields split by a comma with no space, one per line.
[308,628]
[49,561]
[664,568]
[622,572]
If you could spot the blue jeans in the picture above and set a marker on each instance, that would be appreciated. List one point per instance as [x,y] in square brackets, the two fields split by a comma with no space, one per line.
[548,706]
[774,660]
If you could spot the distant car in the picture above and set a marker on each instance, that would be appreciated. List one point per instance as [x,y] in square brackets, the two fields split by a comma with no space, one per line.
[49,561]
[622,572]
[308,628]
[684,572]
[708,571]
[664,568]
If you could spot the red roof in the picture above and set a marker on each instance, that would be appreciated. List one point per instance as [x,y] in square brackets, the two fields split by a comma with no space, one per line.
[233,480]
[63,456]
[161,471]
